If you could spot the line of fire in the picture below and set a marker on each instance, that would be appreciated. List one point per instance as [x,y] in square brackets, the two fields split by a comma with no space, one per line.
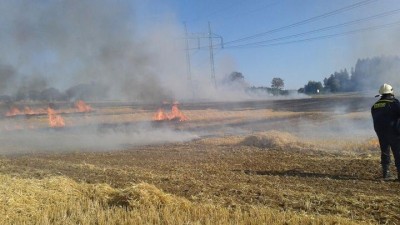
[167,112]
[174,115]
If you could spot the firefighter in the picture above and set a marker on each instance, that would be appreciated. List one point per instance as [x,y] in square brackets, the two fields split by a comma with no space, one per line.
[386,114]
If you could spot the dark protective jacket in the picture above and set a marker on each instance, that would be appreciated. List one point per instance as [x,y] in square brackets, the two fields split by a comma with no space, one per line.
[385,112]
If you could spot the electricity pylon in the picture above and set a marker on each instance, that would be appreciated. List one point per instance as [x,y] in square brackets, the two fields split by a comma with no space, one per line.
[199,37]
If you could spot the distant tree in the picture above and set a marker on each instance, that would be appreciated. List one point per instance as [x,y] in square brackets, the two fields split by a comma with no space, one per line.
[368,74]
[338,82]
[277,83]
[332,84]
[261,89]
[266,90]
[236,76]
[312,87]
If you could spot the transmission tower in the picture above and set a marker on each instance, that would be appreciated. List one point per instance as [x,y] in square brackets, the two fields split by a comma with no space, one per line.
[211,55]
[188,64]
[200,37]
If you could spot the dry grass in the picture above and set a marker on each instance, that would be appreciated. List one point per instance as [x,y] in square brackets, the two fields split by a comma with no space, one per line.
[59,200]
[272,177]
[197,118]
[276,140]
[208,181]
[279,140]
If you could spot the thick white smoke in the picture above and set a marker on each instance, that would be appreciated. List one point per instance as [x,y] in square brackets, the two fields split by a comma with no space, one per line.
[102,44]
[67,43]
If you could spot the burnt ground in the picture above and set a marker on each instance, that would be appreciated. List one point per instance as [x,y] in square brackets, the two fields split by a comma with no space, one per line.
[231,174]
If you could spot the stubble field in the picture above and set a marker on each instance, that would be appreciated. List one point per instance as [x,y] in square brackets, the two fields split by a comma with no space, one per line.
[302,161]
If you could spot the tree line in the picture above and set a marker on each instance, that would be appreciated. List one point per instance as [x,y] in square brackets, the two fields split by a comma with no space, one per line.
[368,74]
[236,79]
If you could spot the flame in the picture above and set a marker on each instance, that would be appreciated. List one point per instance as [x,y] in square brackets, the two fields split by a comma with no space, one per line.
[175,114]
[14,111]
[29,111]
[54,119]
[81,106]
[160,115]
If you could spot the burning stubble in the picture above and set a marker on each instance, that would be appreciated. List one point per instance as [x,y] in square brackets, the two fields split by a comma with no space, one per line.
[81,127]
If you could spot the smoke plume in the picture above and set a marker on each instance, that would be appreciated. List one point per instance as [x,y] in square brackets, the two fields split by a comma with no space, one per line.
[66,43]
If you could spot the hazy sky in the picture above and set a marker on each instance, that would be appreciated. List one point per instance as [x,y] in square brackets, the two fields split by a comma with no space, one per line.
[314,37]
[136,48]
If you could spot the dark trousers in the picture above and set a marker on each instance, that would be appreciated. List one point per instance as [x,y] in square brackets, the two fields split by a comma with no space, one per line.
[387,142]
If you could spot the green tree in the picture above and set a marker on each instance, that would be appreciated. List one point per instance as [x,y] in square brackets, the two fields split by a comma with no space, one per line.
[277,83]
[312,87]
[338,82]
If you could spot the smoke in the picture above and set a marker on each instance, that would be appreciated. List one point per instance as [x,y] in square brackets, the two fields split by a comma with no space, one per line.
[67,43]
[342,120]
[376,56]
[370,74]
[90,138]
[7,75]
[97,49]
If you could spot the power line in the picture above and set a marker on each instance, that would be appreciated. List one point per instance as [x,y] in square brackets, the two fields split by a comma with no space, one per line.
[359,4]
[388,13]
[378,27]
[377,16]
[199,36]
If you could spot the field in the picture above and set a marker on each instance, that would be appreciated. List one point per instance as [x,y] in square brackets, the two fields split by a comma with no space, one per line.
[299,161]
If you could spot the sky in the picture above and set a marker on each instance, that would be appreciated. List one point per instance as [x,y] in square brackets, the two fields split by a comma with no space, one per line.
[315,37]
[136,49]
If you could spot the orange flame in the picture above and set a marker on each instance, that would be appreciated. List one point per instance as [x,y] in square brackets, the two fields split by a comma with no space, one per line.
[29,111]
[54,119]
[81,106]
[160,115]
[175,114]
[14,111]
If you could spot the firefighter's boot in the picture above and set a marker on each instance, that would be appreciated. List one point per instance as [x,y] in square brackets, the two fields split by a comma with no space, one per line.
[386,174]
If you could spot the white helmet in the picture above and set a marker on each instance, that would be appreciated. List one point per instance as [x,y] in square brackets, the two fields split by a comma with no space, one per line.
[385,89]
